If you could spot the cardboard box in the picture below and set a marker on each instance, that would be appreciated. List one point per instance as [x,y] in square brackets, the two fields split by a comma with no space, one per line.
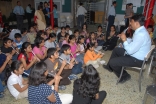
[99,16]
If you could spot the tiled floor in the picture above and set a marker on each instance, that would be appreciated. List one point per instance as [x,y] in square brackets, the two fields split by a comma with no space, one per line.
[127,93]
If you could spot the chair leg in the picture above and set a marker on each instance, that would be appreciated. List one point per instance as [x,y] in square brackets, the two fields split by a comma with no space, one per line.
[149,69]
[120,75]
[145,97]
[140,76]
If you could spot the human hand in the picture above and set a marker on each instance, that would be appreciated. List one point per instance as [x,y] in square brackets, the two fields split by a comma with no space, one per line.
[71,66]
[9,57]
[123,37]
[57,79]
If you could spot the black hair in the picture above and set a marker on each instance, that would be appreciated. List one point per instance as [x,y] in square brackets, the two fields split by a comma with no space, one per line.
[37,74]
[149,26]
[65,47]
[45,2]
[71,37]
[139,18]
[75,31]
[81,4]
[55,26]
[52,35]
[90,34]
[67,26]
[24,46]
[23,30]
[80,37]
[38,41]
[89,45]
[18,35]
[5,40]
[67,34]
[18,2]
[83,25]
[114,2]
[89,82]
[29,5]
[39,33]
[14,66]
[51,51]
[41,3]
[99,26]
[6,25]
[129,4]
[63,28]
[40,7]
[55,6]
[114,27]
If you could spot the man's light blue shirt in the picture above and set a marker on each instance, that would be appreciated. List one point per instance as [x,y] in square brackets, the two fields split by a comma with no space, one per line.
[112,11]
[18,10]
[28,10]
[140,44]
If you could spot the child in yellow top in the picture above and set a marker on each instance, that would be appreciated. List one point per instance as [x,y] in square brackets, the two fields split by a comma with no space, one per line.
[149,29]
[91,57]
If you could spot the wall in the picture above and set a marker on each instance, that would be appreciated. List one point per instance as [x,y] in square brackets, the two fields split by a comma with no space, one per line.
[7,7]
[67,6]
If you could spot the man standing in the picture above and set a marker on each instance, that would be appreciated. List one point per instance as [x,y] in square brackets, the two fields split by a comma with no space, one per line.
[29,15]
[135,50]
[80,15]
[111,16]
[47,13]
[19,11]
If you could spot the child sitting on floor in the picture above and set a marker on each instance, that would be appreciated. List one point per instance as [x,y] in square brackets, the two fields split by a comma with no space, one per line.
[91,57]
[17,86]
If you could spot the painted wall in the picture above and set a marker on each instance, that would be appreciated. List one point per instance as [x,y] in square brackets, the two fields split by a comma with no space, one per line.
[7,7]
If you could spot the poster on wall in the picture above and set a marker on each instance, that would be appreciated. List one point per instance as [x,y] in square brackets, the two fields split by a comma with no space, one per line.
[124,4]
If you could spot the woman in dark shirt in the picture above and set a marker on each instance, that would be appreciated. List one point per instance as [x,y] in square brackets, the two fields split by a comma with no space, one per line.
[86,89]
[111,40]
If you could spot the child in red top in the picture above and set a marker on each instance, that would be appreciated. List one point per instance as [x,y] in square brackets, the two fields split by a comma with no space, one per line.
[26,57]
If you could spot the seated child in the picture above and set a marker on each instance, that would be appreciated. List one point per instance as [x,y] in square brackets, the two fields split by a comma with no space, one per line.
[24,35]
[41,92]
[81,46]
[66,38]
[42,34]
[75,49]
[40,50]
[31,35]
[86,88]
[4,61]
[76,34]
[17,86]
[26,57]
[92,39]
[18,42]
[61,35]
[51,41]
[55,29]
[149,29]
[6,31]
[68,30]
[7,48]
[54,66]
[100,36]
[74,65]
[14,30]
[91,57]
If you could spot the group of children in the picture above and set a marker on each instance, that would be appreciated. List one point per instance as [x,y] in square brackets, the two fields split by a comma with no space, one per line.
[52,57]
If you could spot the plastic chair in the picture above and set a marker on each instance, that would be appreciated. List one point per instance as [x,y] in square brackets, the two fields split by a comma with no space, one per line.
[139,68]
[69,20]
[62,20]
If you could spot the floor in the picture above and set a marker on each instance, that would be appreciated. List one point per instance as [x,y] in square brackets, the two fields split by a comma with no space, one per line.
[127,93]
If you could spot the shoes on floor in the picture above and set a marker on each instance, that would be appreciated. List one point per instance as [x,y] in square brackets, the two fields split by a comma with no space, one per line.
[124,79]
[105,67]
[72,77]
[62,87]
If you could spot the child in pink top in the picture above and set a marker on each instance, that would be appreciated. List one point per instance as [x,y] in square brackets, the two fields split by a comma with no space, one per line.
[92,39]
[65,41]
[75,49]
[40,50]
